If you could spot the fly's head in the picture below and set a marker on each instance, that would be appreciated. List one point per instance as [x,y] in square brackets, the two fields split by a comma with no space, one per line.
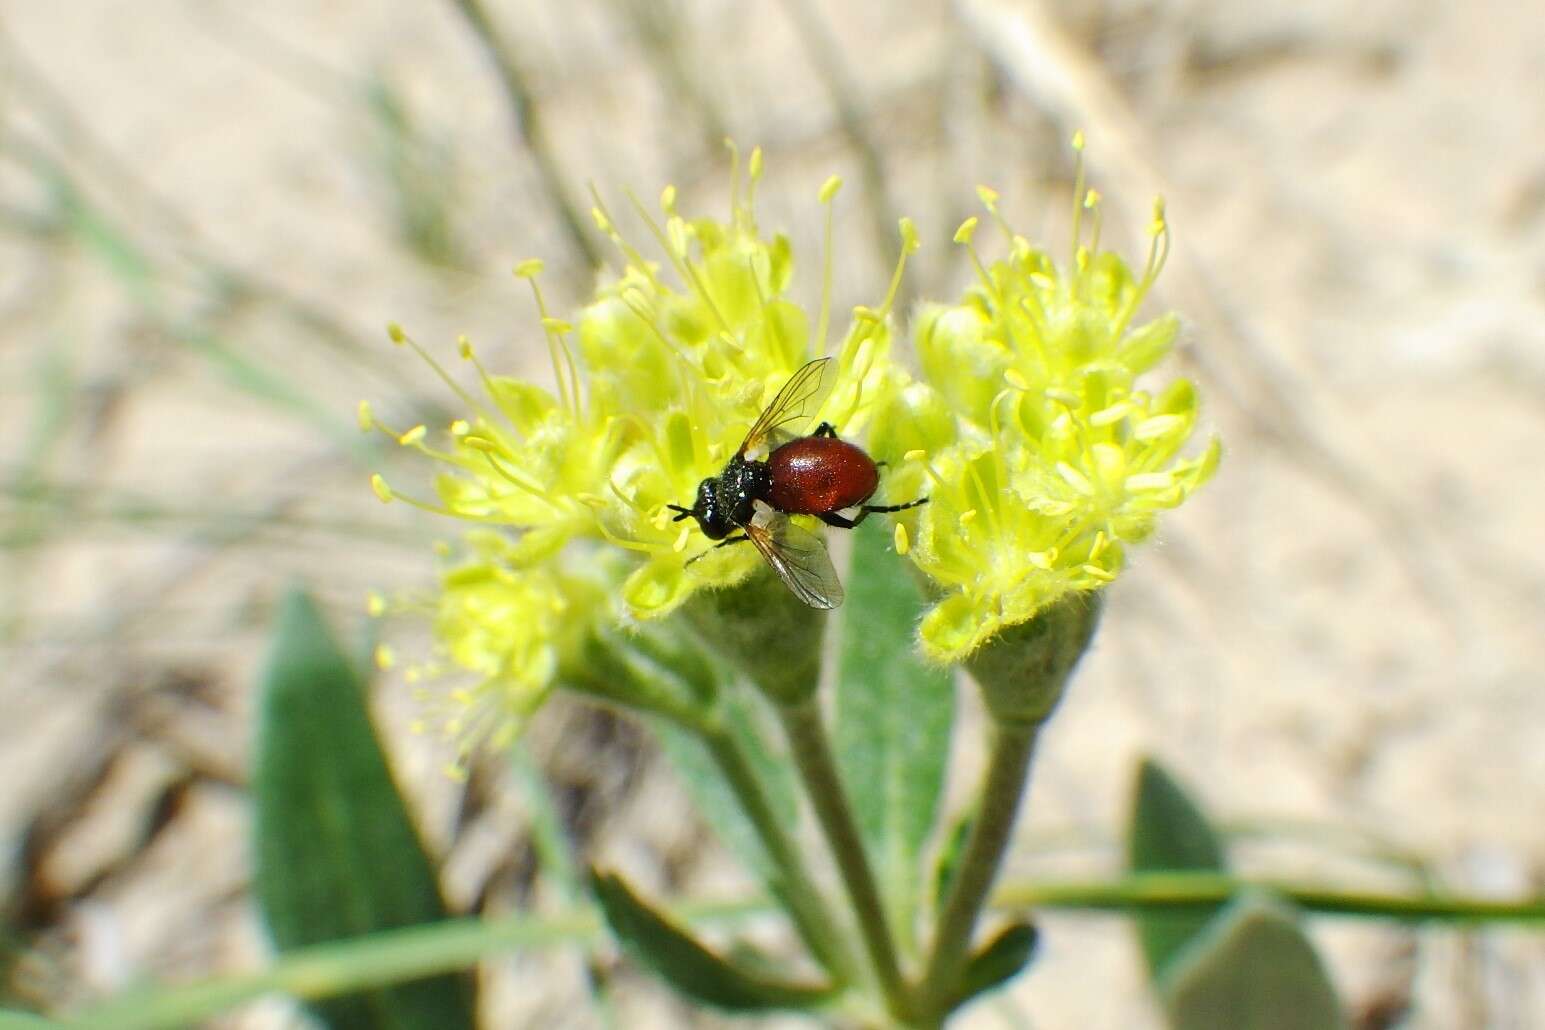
[711,516]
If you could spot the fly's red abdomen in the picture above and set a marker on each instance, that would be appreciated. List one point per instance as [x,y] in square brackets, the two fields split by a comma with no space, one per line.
[817,474]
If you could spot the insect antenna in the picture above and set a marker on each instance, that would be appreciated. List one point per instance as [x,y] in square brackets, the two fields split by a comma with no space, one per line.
[685,512]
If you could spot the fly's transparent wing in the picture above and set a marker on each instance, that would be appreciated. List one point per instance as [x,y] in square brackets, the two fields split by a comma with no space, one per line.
[799,400]
[799,558]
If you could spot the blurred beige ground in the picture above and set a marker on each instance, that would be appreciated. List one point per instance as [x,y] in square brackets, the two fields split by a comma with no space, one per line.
[202,211]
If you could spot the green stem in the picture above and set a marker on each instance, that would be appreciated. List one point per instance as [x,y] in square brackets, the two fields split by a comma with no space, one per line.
[807,908]
[1008,770]
[1169,891]
[813,757]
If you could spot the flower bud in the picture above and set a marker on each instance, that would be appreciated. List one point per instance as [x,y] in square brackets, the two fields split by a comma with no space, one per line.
[1022,671]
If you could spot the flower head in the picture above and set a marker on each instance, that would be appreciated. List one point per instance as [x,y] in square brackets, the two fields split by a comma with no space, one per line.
[506,632]
[1042,454]
[657,379]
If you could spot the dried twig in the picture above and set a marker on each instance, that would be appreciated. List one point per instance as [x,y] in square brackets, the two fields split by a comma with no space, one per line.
[833,72]
[528,127]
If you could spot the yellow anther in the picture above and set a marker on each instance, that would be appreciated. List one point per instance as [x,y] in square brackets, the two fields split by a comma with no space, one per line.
[967,517]
[366,419]
[967,228]
[385,657]
[375,605]
[1078,140]
[903,545]
[529,268]
[1076,479]
[460,427]
[556,325]
[378,484]
[601,221]
[1015,378]
[1092,199]
[464,347]
[413,435]
[909,240]
[988,196]
[681,539]
[668,200]
[395,332]
[676,233]
[915,455]
[754,166]
[829,188]
[1150,481]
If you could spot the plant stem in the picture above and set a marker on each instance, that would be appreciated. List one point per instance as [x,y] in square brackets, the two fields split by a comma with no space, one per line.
[812,755]
[1008,770]
[807,908]
[1178,891]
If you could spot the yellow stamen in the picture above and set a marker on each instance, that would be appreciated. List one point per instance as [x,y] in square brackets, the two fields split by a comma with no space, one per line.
[903,545]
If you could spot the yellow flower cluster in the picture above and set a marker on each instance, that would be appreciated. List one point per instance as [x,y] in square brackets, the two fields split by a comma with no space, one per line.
[1041,454]
[657,381]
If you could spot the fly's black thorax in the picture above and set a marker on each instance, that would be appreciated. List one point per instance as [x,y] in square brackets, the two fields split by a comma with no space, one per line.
[728,500]
[741,484]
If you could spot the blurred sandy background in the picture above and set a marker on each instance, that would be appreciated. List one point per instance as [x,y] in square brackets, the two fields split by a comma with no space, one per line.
[209,210]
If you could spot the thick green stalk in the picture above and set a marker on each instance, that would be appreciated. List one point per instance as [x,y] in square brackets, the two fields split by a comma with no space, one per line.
[806,906]
[1008,770]
[812,755]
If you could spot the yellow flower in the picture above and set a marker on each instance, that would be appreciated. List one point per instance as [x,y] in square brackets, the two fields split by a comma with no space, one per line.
[674,363]
[1042,454]
[657,379]
[506,632]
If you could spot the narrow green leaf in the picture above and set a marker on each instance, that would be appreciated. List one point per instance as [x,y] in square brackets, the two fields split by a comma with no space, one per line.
[337,855]
[1167,832]
[1253,969]
[685,963]
[894,715]
[998,961]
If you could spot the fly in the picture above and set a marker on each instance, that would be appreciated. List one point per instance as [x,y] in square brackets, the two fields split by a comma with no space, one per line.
[818,475]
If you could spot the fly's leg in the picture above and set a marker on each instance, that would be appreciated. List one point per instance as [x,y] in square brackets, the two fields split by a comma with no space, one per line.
[742,538]
[825,429]
[831,518]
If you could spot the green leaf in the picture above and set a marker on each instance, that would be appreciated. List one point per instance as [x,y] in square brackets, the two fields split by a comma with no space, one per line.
[685,963]
[894,714]
[998,961]
[337,855]
[10,1019]
[1167,831]
[1253,969]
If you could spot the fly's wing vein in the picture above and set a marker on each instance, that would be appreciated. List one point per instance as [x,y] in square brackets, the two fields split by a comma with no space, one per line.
[800,398]
[799,558]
